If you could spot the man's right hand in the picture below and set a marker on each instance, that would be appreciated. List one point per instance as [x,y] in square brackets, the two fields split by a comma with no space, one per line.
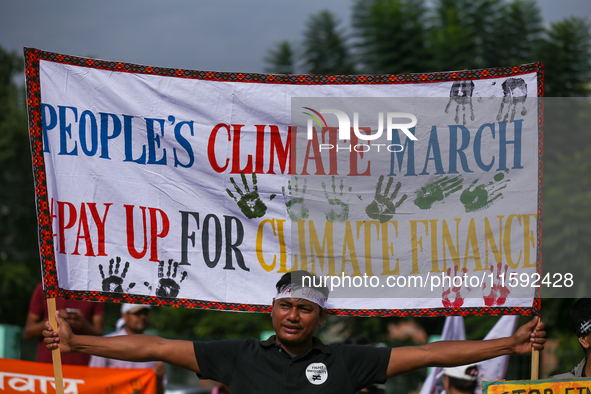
[58,339]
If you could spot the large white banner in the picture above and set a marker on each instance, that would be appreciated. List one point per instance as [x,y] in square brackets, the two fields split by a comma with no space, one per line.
[201,189]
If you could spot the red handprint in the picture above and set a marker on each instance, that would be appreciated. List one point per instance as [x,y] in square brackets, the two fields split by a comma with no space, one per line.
[498,292]
[458,301]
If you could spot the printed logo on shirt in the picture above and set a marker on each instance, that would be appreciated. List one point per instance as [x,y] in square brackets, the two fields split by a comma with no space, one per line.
[317,373]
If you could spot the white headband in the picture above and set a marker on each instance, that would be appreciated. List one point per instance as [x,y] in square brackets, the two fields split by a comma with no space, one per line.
[585,328]
[306,293]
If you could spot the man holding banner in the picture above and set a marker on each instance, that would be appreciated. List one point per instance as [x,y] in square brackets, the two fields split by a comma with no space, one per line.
[294,360]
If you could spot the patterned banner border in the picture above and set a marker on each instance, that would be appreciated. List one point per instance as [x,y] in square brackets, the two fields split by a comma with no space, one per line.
[45,231]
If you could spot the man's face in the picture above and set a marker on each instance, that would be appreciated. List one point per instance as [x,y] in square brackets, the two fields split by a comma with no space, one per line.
[136,323]
[295,320]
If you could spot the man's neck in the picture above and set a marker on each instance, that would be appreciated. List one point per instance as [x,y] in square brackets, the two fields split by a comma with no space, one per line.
[130,332]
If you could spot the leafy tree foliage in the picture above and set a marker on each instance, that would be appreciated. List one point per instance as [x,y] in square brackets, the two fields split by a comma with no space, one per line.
[323,50]
[391,36]
[324,46]
[452,40]
[19,255]
[281,59]
[566,53]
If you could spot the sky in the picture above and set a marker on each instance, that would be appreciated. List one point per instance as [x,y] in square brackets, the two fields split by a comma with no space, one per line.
[222,35]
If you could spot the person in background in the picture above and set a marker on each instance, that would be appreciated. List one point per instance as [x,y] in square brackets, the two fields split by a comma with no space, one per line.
[580,317]
[460,380]
[136,319]
[84,317]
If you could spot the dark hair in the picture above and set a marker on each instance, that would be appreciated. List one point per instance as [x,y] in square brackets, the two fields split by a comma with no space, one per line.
[463,385]
[296,278]
[579,315]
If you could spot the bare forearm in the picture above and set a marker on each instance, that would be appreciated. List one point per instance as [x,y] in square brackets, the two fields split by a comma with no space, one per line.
[126,347]
[446,353]
[449,353]
[137,347]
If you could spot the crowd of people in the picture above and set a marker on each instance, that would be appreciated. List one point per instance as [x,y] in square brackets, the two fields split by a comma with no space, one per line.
[293,360]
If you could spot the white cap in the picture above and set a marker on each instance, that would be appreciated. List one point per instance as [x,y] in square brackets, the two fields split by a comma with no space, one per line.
[120,323]
[463,372]
[133,308]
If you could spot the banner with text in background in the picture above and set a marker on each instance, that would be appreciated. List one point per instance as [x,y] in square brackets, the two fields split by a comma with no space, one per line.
[18,376]
[547,386]
[414,193]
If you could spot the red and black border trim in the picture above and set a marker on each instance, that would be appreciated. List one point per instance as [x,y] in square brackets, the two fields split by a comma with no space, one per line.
[46,250]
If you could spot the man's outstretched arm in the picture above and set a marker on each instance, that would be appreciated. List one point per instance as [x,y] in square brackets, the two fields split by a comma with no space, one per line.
[138,347]
[453,353]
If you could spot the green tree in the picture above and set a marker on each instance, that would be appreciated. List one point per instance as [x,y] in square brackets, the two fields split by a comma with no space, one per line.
[484,20]
[325,49]
[451,39]
[518,31]
[19,253]
[281,59]
[566,54]
[484,33]
[391,36]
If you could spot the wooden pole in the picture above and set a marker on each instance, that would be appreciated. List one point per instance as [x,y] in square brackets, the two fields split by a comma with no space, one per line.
[55,354]
[535,360]
[535,364]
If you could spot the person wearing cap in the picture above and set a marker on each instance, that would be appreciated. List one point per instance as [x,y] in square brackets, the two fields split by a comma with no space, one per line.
[580,317]
[459,380]
[136,319]
[293,360]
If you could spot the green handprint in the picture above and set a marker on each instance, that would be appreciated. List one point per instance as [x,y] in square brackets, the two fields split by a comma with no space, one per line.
[482,196]
[295,202]
[437,191]
[339,210]
[250,202]
[383,207]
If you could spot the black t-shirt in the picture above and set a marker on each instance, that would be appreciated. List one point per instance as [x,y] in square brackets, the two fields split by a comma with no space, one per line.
[252,366]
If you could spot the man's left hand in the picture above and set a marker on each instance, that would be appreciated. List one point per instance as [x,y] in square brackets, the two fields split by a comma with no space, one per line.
[530,335]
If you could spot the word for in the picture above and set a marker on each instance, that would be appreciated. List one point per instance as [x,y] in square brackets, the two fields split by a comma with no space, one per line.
[212,238]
